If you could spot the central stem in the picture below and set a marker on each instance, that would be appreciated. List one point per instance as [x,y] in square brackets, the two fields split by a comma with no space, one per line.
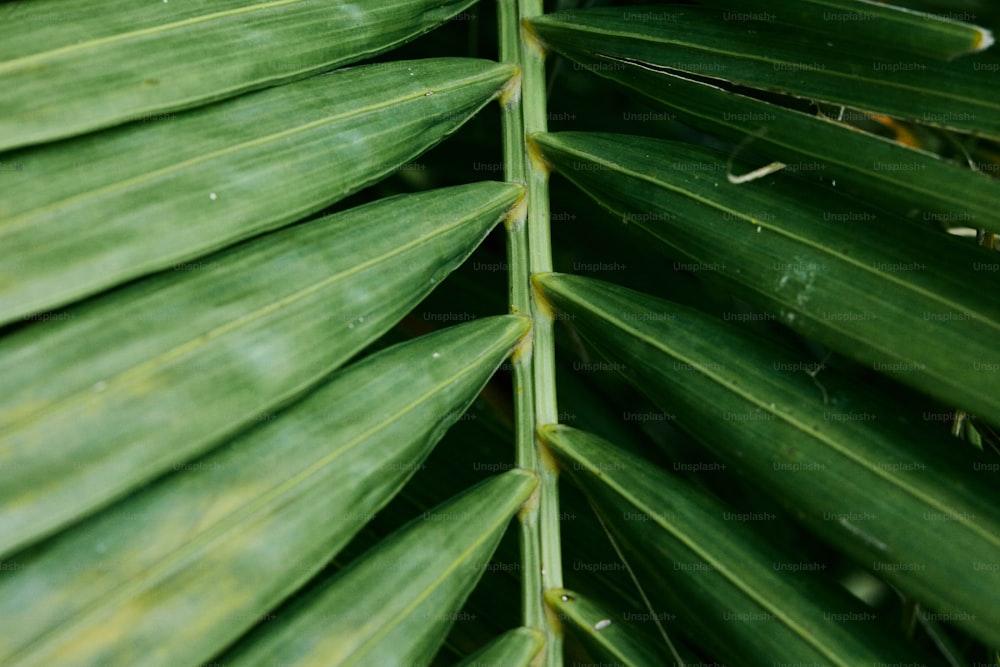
[529,253]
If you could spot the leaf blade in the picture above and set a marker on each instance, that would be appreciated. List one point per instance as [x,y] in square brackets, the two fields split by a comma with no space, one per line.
[725,581]
[890,296]
[229,171]
[99,387]
[875,166]
[97,67]
[516,648]
[600,629]
[800,62]
[403,594]
[895,27]
[776,428]
[230,535]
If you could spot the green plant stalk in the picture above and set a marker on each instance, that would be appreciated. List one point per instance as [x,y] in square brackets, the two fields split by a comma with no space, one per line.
[532,609]
[535,113]
[528,252]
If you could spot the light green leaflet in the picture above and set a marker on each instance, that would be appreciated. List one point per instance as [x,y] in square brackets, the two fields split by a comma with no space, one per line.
[395,604]
[515,648]
[178,570]
[115,391]
[87,214]
[69,66]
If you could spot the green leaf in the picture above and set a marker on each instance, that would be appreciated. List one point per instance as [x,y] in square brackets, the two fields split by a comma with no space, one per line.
[69,67]
[90,400]
[729,588]
[913,302]
[515,648]
[857,469]
[917,182]
[225,538]
[395,605]
[90,213]
[770,56]
[864,21]
[602,631]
